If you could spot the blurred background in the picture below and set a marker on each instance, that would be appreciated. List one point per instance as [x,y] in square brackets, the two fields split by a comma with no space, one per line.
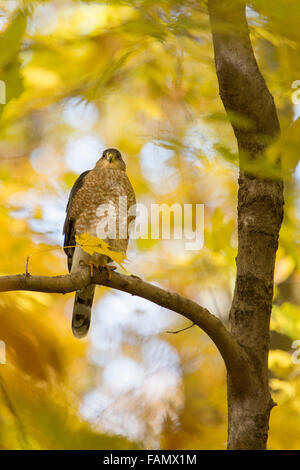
[138,75]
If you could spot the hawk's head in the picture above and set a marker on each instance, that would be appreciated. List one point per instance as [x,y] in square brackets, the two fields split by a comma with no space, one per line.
[111,158]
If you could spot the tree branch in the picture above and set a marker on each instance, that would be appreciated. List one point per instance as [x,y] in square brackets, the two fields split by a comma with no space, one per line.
[235,359]
[243,90]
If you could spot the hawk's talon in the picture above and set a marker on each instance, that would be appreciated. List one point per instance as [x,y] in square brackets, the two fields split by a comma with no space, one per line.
[108,272]
[91,265]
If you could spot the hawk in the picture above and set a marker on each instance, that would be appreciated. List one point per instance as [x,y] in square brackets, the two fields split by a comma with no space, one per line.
[105,186]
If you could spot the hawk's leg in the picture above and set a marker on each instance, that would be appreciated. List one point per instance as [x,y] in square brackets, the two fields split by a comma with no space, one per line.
[91,265]
[103,265]
[97,261]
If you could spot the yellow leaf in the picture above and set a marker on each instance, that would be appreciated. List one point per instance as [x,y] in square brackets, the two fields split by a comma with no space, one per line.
[93,245]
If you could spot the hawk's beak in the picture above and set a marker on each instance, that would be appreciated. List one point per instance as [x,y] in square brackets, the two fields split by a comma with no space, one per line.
[110,157]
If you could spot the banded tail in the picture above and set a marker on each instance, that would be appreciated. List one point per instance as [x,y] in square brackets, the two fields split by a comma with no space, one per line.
[82,311]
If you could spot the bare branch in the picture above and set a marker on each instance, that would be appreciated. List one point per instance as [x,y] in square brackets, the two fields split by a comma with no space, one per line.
[243,89]
[234,356]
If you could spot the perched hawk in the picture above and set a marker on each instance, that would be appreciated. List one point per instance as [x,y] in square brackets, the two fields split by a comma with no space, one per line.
[92,197]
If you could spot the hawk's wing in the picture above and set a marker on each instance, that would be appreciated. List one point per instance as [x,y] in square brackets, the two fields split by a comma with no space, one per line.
[69,225]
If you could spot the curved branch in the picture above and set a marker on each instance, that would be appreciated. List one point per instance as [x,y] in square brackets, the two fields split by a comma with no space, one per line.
[234,356]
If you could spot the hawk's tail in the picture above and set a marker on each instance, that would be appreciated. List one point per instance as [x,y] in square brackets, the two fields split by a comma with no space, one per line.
[82,311]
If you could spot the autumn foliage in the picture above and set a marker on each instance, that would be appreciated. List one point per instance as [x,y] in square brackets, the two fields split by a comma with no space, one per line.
[81,76]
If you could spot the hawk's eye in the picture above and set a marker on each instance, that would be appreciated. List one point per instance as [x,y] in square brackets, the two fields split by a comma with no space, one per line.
[118,156]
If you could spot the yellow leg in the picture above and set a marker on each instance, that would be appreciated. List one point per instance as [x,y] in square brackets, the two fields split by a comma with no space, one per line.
[91,265]
[108,271]
[103,265]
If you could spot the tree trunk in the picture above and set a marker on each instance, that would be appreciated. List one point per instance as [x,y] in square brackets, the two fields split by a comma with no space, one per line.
[260,205]
[260,210]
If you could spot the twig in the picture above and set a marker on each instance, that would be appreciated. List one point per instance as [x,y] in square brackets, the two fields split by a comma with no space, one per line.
[182,329]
